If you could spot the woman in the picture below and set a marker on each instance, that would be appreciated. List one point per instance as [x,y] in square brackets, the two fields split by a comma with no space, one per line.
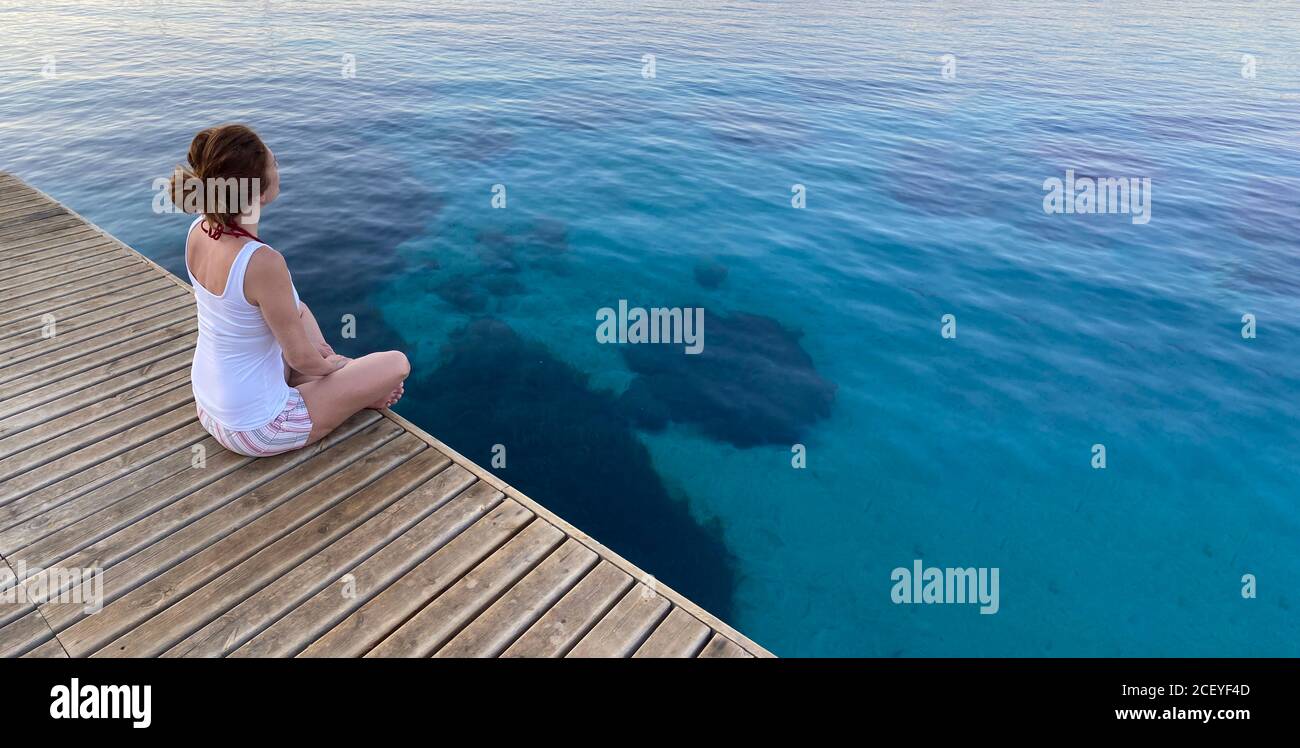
[265,381]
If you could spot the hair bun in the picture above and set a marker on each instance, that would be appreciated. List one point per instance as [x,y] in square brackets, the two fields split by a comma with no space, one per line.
[197,148]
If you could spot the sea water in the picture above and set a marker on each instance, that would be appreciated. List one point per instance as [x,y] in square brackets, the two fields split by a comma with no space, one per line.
[906,359]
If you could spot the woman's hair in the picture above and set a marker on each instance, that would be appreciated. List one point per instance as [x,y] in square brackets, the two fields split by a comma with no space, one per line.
[218,180]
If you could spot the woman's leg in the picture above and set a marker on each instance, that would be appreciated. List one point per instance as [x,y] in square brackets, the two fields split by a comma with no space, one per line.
[296,378]
[362,383]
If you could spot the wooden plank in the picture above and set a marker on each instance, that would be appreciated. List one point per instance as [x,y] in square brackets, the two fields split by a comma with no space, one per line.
[28,205]
[581,607]
[37,521]
[90,357]
[625,627]
[23,210]
[194,554]
[142,499]
[11,184]
[31,408]
[56,375]
[26,315]
[680,635]
[447,613]
[22,341]
[369,624]
[22,627]
[47,216]
[174,622]
[24,634]
[29,342]
[68,346]
[32,250]
[34,469]
[721,646]
[26,210]
[61,492]
[16,199]
[13,204]
[60,250]
[96,251]
[61,300]
[304,624]
[235,626]
[14,442]
[33,301]
[44,248]
[5,242]
[154,576]
[20,200]
[51,445]
[11,190]
[19,218]
[50,650]
[35,228]
[11,610]
[85,336]
[33,212]
[179,497]
[490,633]
[21,195]
[95,259]
[99,368]
[29,251]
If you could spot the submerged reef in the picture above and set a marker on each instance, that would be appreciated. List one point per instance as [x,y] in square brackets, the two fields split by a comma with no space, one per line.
[710,273]
[463,292]
[496,251]
[503,255]
[752,384]
[477,138]
[567,446]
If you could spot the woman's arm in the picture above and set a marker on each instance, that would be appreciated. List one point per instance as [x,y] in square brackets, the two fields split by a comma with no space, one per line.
[267,285]
[312,328]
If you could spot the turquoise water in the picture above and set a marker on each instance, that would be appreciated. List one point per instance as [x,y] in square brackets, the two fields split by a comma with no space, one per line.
[923,198]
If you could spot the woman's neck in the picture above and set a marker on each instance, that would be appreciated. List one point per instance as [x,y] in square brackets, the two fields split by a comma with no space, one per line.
[247,223]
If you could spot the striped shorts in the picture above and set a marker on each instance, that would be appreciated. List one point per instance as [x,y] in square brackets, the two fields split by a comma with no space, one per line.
[286,432]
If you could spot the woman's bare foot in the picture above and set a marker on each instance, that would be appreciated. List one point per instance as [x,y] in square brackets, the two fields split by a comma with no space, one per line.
[391,399]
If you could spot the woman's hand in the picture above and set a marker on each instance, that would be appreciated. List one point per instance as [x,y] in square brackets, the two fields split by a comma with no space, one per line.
[325,349]
[337,361]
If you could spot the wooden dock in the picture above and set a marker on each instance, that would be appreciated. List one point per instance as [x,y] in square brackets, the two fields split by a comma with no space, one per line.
[379,541]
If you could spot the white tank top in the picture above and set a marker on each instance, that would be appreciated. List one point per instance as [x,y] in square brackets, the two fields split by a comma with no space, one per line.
[239,370]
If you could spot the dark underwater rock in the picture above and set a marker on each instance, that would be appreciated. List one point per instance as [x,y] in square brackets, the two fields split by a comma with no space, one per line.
[752,384]
[710,273]
[496,250]
[463,293]
[551,235]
